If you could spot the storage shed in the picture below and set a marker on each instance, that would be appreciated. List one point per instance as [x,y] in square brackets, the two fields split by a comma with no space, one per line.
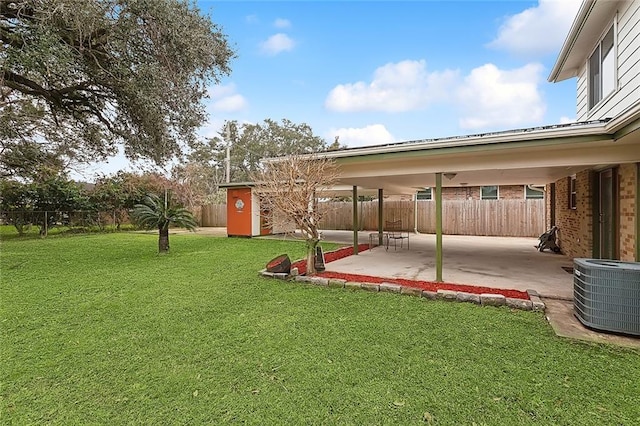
[245,216]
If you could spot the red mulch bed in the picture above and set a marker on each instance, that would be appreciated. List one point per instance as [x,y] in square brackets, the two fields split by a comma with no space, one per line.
[329,257]
[424,285]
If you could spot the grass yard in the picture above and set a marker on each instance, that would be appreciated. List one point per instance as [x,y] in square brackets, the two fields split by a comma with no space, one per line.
[99,329]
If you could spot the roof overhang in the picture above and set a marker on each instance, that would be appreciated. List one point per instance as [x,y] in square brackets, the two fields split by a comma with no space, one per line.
[592,19]
[528,156]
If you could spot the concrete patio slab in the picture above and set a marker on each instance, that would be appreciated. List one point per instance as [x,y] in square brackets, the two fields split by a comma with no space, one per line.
[560,315]
[495,262]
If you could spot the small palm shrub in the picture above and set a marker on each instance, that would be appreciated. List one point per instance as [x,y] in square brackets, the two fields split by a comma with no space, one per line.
[156,213]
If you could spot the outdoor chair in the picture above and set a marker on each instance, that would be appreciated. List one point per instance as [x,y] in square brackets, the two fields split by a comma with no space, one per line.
[394,232]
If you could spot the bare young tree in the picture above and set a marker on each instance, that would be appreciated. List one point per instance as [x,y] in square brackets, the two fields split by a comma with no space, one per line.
[288,188]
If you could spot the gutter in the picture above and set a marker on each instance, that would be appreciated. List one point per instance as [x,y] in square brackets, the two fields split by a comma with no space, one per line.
[576,130]
[617,125]
[538,188]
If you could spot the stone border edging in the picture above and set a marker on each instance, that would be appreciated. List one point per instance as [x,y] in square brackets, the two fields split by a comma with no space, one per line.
[485,299]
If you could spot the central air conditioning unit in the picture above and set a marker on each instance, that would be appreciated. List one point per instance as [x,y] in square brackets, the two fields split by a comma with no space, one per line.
[606,294]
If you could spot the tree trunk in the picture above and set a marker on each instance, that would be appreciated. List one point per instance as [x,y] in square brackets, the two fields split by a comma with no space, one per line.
[311,256]
[163,239]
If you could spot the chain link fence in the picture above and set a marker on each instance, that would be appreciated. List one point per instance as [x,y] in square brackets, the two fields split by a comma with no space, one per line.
[77,220]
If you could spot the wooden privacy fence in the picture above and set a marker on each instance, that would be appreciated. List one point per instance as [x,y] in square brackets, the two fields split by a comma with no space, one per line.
[213,215]
[506,218]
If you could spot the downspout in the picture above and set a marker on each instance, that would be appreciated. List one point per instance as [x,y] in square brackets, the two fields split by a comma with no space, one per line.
[539,188]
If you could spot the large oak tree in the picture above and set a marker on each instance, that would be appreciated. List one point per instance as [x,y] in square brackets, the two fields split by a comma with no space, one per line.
[252,143]
[82,77]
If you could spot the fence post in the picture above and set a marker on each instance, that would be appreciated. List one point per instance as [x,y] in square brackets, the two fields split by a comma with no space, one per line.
[46,223]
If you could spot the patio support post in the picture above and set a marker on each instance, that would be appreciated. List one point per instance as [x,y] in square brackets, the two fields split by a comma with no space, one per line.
[415,213]
[439,227]
[380,216]
[355,219]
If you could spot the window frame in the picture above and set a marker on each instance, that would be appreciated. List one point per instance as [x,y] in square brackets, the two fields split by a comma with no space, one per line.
[424,191]
[572,192]
[526,195]
[497,187]
[593,104]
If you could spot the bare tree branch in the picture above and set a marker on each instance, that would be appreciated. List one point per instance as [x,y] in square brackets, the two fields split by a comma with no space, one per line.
[288,188]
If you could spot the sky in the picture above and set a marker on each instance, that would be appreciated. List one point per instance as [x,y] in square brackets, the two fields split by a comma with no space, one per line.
[375,72]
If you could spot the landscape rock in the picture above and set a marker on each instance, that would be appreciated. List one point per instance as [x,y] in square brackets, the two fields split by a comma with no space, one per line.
[324,282]
[536,302]
[526,305]
[411,291]
[370,287]
[336,283]
[492,299]
[390,287]
[448,295]
[468,297]
[431,295]
[352,285]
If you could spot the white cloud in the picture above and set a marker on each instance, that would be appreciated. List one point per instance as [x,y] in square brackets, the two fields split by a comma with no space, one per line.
[231,103]
[220,91]
[277,43]
[251,19]
[537,30]
[490,97]
[395,87]
[566,120]
[282,23]
[225,99]
[374,134]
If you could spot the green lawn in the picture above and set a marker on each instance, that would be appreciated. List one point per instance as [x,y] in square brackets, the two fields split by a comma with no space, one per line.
[99,329]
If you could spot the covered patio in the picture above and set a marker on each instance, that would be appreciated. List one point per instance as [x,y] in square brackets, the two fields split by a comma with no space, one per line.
[495,262]
[534,157]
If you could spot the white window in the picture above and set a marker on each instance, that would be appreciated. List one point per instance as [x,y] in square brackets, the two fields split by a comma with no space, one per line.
[573,193]
[424,195]
[489,192]
[602,69]
[532,194]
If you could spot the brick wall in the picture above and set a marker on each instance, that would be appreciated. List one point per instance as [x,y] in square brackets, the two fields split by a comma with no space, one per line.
[575,225]
[628,210]
[506,192]
[576,233]
[548,201]
[461,193]
[511,192]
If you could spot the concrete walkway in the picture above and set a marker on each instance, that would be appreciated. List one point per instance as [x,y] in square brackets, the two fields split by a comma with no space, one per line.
[496,262]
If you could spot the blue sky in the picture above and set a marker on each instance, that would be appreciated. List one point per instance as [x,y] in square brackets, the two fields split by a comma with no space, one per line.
[374,72]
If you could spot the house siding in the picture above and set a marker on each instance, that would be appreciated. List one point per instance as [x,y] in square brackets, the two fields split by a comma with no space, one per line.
[581,112]
[628,68]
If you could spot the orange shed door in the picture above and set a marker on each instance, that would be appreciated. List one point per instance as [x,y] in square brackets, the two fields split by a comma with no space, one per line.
[239,212]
